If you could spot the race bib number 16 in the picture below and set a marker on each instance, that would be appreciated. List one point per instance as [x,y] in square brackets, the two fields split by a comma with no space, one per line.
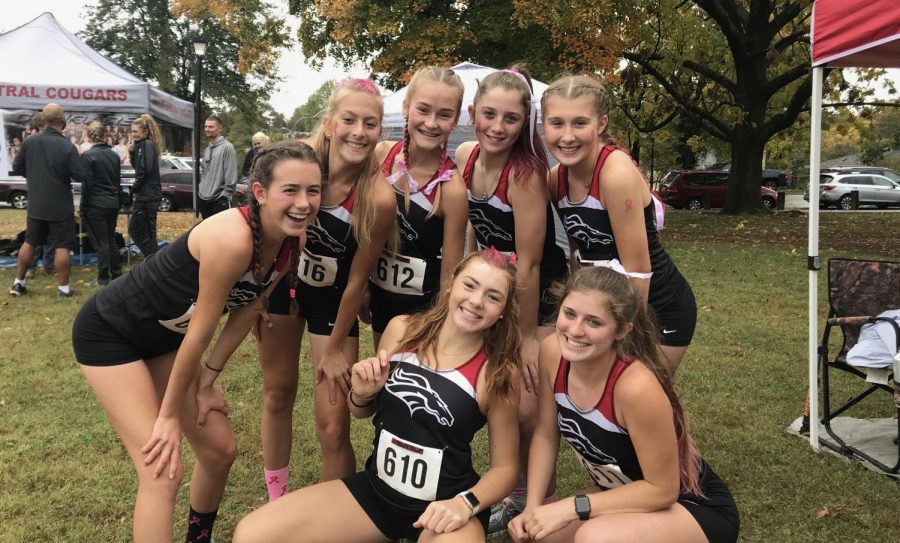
[317,271]
[408,468]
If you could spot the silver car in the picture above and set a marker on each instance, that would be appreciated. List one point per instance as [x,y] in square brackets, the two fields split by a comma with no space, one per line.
[836,189]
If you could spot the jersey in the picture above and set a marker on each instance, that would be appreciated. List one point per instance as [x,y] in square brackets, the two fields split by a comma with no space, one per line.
[587,223]
[413,274]
[163,289]
[494,223]
[324,267]
[424,425]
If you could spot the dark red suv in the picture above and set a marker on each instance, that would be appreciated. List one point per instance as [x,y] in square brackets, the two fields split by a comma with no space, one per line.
[701,189]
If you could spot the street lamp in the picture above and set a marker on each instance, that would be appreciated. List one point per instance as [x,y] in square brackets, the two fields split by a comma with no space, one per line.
[199,53]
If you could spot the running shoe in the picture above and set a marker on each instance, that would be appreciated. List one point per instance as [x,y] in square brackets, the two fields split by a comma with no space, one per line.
[18,289]
[502,514]
[60,294]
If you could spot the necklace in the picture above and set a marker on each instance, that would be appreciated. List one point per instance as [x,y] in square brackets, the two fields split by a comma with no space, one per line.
[489,189]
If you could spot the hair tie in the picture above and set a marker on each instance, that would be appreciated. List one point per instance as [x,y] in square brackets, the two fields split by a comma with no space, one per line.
[497,254]
[293,294]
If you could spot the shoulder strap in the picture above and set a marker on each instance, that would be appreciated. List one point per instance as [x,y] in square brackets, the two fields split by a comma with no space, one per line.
[470,166]
[388,165]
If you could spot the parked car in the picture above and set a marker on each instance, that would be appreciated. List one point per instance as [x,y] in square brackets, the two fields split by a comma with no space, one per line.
[774,179]
[836,189]
[699,189]
[14,191]
[876,170]
[172,162]
[177,189]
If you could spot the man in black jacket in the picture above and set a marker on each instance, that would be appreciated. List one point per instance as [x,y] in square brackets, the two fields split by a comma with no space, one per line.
[49,162]
[100,202]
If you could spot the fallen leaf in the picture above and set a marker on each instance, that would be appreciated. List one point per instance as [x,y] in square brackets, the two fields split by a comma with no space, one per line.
[821,512]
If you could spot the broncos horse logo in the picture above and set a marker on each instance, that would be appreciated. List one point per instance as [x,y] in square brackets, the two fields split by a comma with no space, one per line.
[241,294]
[485,228]
[318,235]
[570,429]
[416,393]
[578,229]
[406,229]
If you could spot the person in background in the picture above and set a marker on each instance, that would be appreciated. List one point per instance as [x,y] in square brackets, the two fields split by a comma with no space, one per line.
[45,253]
[14,148]
[49,163]
[100,201]
[258,141]
[147,191]
[219,175]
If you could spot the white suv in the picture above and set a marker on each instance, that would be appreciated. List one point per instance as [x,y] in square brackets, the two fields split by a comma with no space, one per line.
[838,188]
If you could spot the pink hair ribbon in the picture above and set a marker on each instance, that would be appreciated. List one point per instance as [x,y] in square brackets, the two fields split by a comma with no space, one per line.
[402,171]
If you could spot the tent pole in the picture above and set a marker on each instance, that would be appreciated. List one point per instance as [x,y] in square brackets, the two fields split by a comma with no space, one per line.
[813,260]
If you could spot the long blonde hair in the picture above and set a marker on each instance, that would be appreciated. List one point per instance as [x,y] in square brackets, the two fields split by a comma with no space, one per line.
[148,125]
[363,214]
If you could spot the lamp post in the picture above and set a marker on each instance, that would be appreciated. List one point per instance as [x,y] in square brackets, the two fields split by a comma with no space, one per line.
[199,53]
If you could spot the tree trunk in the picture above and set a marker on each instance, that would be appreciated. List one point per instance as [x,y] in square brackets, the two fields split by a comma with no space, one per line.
[745,177]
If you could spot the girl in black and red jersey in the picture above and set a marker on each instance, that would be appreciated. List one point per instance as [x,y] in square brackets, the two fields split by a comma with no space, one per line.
[141,340]
[431,200]
[604,389]
[607,209]
[440,376]
[355,220]
[505,174]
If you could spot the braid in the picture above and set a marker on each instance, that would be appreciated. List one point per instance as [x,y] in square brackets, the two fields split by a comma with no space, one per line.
[406,161]
[256,228]
[292,273]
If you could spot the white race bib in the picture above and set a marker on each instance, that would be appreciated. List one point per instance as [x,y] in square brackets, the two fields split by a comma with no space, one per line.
[179,324]
[408,468]
[400,274]
[317,271]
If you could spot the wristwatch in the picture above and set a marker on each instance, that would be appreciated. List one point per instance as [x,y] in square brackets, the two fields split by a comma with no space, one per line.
[471,500]
[583,507]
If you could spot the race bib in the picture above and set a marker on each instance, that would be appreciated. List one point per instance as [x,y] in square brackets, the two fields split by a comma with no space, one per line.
[400,274]
[408,468]
[317,271]
[179,324]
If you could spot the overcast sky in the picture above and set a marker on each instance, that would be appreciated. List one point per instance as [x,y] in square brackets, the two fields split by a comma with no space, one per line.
[300,80]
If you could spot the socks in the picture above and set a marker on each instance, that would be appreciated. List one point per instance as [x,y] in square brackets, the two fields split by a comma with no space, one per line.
[18,281]
[553,498]
[520,492]
[276,482]
[64,289]
[200,526]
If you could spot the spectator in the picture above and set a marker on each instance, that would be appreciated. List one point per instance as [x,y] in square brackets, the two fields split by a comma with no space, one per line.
[46,252]
[258,141]
[100,203]
[49,163]
[14,148]
[219,174]
[147,191]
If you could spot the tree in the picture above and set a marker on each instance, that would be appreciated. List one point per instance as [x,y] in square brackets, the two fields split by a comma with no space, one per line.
[305,117]
[154,43]
[396,38]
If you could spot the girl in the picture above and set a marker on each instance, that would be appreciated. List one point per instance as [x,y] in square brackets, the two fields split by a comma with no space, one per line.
[140,341]
[439,377]
[431,215]
[358,210]
[607,208]
[604,389]
[100,202]
[505,174]
[147,190]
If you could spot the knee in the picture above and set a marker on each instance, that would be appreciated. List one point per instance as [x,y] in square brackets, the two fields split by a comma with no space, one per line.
[591,533]
[279,400]
[218,456]
[333,431]
[161,486]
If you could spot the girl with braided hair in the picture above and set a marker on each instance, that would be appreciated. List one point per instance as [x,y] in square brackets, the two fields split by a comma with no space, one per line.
[605,389]
[431,200]
[142,341]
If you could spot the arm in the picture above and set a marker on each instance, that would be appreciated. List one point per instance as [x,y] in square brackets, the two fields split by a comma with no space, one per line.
[529,203]
[369,376]
[77,170]
[139,163]
[334,366]
[18,164]
[229,171]
[86,185]
[454,208]
[623,190]
[222,262]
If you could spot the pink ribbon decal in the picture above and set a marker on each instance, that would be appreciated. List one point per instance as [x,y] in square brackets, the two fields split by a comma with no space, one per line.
[402,171]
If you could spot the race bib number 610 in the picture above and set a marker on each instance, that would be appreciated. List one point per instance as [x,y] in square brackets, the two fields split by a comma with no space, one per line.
[408,468]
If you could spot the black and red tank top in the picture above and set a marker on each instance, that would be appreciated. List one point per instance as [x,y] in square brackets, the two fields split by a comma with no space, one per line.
[330,247]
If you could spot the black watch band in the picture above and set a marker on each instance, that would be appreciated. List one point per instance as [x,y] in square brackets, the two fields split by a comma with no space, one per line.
[583,507]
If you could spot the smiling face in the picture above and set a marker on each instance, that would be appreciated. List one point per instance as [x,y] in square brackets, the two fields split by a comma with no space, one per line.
[354,127]
[293,197]
[138,132]
[499,118]
[585,328]
[572,128]
[432,114]
[212,129]
[478,296]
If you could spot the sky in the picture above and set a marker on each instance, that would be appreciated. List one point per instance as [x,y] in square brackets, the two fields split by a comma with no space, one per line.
[300,79]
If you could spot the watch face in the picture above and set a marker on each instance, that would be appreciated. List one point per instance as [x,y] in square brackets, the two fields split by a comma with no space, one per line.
[471,499]
[583,507]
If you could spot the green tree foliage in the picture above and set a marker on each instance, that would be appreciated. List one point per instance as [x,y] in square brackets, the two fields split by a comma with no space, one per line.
[154,42]
[305,117]
[396,38]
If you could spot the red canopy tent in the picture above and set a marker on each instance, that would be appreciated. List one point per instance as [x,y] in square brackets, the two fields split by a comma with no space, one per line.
[845,34]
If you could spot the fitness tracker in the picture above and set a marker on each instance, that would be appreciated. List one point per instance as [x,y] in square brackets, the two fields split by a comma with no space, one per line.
[471,500]
[583,507]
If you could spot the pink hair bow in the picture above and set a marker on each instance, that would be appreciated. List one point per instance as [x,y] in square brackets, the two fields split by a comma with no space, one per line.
[500,255]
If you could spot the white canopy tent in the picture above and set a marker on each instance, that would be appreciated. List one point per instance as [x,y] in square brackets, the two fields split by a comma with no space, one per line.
[845,33]
[43,62]
[470,74]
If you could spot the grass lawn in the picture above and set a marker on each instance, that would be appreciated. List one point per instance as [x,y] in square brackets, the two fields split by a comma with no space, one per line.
[65,477]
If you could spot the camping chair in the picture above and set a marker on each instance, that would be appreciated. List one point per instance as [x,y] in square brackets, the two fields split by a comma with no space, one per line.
[858,290]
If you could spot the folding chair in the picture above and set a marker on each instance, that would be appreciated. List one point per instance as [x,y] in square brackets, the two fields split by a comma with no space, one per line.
[857,291]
